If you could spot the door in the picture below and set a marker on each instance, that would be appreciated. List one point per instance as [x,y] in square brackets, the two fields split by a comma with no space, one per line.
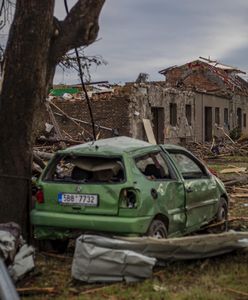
[158,123]
[162,192]
[201,193]
[208,124]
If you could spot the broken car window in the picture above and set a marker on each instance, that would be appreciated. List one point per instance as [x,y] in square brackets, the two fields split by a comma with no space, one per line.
[153,166]
[86,169]
[187,166]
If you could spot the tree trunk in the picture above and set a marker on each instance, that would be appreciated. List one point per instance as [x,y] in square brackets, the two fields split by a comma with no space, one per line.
[23,89]
[37,41]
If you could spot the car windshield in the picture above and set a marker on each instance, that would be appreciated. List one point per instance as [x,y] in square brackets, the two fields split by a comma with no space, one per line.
[86,169]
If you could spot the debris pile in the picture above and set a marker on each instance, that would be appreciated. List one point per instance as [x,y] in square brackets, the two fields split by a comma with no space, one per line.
[17,255]
[223,149]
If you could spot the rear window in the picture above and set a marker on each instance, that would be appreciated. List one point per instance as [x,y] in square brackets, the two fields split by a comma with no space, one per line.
[85,169]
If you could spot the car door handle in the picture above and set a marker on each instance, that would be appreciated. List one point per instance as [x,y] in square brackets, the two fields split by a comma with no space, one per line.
[189,190]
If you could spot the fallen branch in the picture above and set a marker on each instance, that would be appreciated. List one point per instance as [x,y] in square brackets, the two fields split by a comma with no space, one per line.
[54,140]
[236,292]
[90,291]
[36,290]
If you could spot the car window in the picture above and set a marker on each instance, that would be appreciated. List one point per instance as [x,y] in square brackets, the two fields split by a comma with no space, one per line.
[187,166]
[153,166]
[86,169]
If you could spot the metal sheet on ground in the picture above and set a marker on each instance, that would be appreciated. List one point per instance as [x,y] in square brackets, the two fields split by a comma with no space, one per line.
[116,259]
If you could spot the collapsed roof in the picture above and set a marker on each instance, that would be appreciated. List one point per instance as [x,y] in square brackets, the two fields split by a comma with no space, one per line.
[207,76]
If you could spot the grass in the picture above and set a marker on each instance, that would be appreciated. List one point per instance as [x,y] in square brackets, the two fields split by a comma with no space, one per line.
[201,279]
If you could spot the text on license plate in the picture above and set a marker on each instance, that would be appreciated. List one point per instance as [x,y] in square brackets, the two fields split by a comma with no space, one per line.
[82,199]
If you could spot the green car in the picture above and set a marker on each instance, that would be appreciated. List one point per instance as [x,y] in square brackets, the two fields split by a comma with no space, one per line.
[126,186]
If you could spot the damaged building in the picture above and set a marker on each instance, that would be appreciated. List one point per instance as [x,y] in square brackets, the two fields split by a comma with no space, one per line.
[195,102]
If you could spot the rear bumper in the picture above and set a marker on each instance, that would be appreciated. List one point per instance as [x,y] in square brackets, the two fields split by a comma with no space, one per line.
[47,223]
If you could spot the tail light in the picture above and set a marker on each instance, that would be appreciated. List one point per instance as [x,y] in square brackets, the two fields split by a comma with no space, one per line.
[128,198]
[40,196]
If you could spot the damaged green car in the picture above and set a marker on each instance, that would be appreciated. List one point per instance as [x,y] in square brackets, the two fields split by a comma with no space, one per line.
[126,186]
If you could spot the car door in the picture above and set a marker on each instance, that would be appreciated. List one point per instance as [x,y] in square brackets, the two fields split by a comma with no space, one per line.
[162,191]
[201,194]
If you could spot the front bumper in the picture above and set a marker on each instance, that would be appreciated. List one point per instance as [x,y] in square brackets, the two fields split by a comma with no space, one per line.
[46,223]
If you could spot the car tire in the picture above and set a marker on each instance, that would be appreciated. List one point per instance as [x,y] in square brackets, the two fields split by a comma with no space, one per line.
[157,230]
[222,214]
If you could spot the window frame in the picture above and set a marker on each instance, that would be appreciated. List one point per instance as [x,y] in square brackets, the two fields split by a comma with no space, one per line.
[217,115]
[203,168]
[172,173]
[59,156]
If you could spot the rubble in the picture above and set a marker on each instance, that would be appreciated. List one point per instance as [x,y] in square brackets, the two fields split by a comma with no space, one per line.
[17,255]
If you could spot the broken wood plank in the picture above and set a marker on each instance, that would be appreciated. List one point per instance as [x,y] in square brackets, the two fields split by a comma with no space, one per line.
[42,154]
[239,195]
[234,170]
[68,117]
[149,131]
[55,124]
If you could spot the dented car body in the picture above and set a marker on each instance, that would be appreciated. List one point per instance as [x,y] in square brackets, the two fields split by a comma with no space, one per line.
[126,186]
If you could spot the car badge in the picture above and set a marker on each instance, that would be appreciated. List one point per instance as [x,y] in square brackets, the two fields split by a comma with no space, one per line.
[78,189]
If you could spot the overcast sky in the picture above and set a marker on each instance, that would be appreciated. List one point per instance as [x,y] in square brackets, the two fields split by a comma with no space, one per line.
[149,35]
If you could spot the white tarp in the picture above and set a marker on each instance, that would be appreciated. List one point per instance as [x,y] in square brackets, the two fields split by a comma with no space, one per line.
[104,259]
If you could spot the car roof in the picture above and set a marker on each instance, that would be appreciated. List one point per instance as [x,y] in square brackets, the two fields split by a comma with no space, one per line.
[172,147]
[115,146]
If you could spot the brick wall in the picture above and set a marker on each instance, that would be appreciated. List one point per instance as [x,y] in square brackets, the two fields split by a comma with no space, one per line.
[109,111]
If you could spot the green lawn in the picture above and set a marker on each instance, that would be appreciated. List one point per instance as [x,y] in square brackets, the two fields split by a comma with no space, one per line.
[202,279]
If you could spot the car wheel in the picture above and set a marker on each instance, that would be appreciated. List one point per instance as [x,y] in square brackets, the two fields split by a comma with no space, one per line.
[157,230]
[222,214]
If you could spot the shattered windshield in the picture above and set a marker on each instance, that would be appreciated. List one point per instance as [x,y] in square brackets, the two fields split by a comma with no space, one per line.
[86,169]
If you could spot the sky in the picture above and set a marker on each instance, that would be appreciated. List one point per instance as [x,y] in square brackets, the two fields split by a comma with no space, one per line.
[150,35]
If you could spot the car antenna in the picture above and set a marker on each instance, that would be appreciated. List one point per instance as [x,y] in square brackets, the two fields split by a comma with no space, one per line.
[83,84]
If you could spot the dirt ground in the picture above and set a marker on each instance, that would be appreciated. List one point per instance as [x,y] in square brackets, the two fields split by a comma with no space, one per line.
[223,277]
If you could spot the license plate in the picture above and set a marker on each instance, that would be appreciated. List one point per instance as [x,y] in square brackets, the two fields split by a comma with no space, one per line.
[81,199]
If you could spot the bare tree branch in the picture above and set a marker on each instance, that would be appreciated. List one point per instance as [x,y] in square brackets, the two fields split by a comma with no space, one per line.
[80,28]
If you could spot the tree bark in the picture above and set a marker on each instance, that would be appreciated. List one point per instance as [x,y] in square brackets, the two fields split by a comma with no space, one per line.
[36,44]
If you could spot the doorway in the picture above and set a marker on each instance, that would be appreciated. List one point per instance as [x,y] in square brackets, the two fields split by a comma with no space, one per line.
[158,124]
[208,124]
[239,118]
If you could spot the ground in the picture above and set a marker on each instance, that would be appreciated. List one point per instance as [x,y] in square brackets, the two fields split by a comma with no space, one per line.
[223,277]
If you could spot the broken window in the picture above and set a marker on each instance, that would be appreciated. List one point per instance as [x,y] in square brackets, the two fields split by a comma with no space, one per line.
[153,166]
[85,169]
[188,113]
[189,168]
[244,120]
[173,114]
[226,119]
[217,115]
